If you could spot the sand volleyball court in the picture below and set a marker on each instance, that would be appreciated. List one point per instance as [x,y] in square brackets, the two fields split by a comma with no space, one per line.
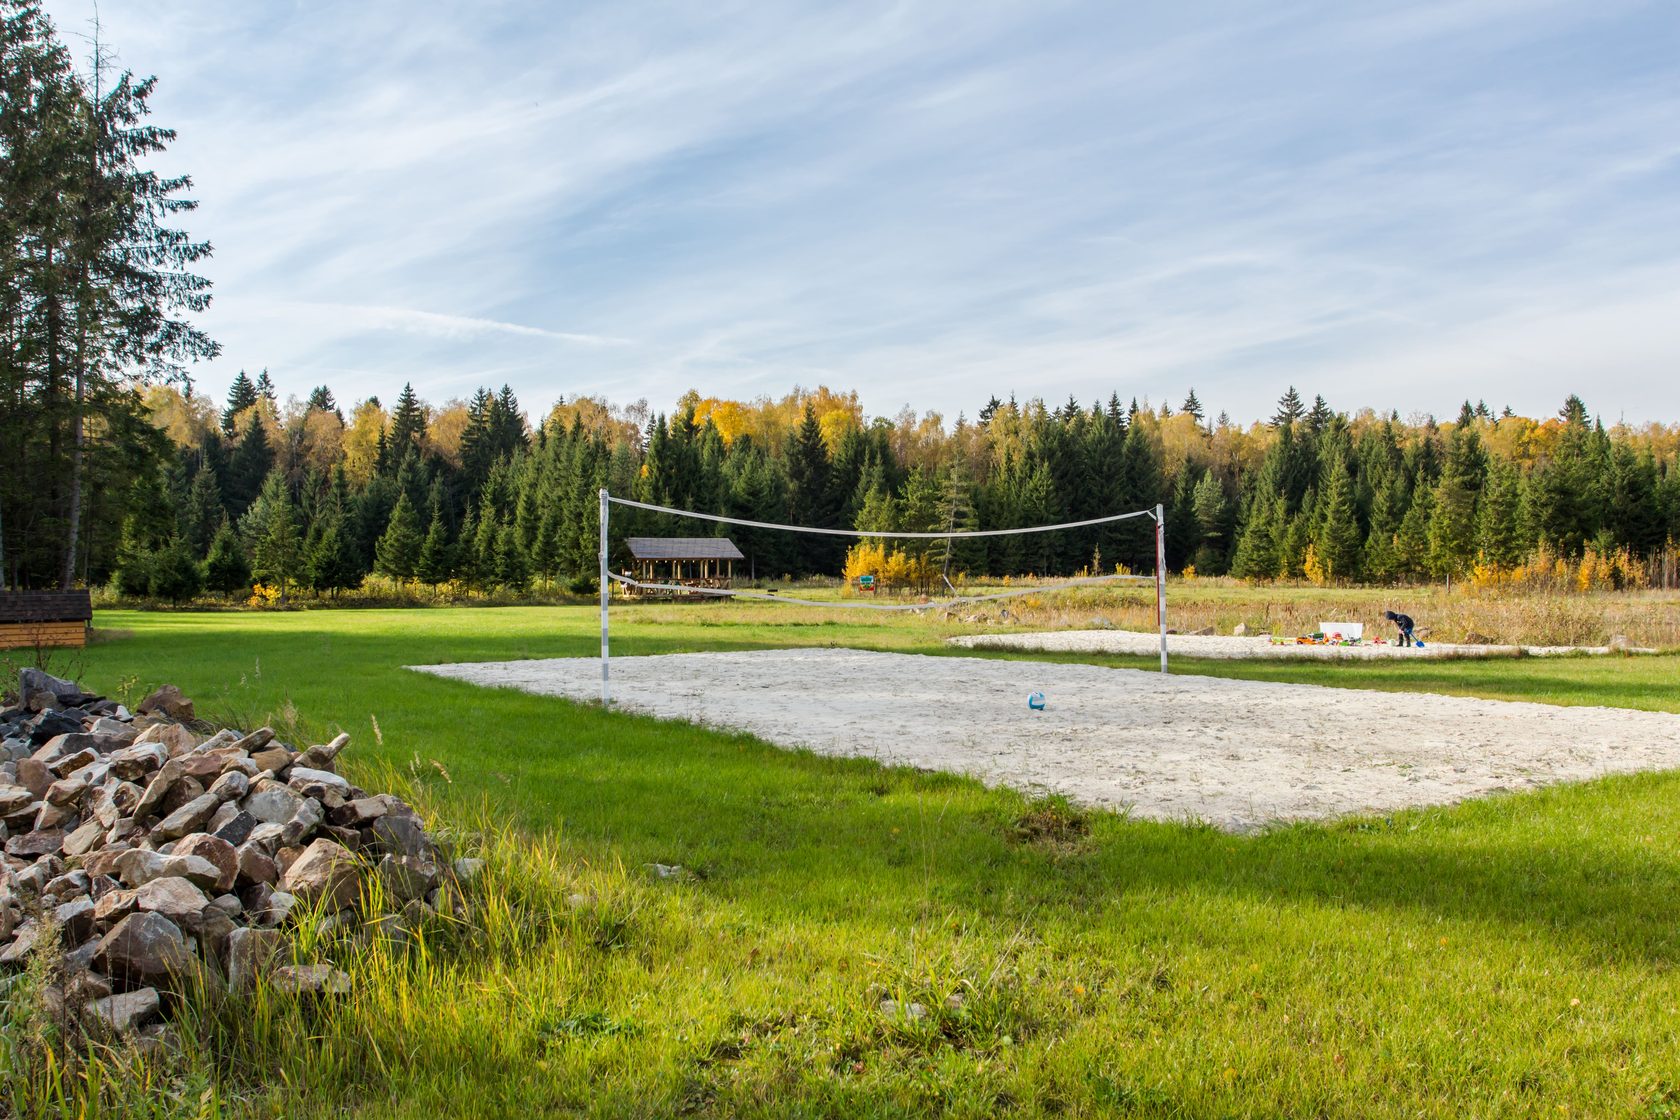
[1238,754]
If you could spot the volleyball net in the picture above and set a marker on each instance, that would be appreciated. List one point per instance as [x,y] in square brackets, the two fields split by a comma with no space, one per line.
[630,583]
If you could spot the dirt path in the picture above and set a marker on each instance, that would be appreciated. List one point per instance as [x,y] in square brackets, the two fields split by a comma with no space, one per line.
[1234,753]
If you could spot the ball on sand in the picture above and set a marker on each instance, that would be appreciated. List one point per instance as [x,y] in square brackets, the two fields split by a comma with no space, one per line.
[1035,701]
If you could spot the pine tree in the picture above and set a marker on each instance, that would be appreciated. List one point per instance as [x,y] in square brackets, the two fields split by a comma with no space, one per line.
[398,552]
[1500,535]
[201,513]
[437,561]
[265,388]
[1193,406]
[248,469]
[810,498]
[175,573]
[513,568]
[1411,540]
[1290,409]
[241,395]
[408,426]
[1208,502]
[1338,539]
[276,542]
[226,569]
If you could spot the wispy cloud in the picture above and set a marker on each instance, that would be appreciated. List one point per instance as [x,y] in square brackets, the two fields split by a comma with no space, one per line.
[1397,204]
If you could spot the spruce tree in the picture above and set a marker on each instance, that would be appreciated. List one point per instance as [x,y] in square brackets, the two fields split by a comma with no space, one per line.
[437,561]
[1208,502]
[248,469]
[1290,409]
[1500,535]
[398,553]
[226,569]
[408,426]
[265,388]
[810,498]
[1193,406]
[276,540]
[175,573]
[241,395]
[1338,539]
[513,568]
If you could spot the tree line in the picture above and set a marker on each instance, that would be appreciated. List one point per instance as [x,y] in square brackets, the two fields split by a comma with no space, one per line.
[300,497]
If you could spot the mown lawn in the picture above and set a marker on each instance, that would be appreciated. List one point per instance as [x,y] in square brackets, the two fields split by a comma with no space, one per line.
[1511,957]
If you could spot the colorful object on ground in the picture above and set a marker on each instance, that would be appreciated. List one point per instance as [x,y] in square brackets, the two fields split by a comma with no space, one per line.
[1035,701]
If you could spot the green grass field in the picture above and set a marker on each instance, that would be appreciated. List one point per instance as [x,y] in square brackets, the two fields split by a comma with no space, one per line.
[1510,957]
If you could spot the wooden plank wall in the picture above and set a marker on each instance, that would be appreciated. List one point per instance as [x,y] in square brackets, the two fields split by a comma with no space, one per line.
[27,635]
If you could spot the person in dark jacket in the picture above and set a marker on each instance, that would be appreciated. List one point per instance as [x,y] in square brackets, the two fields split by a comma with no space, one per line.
[1404,622]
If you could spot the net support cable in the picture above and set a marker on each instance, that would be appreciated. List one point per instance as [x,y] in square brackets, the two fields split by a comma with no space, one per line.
[607,578]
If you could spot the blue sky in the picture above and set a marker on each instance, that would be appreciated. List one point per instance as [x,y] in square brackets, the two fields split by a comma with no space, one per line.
[1395,205]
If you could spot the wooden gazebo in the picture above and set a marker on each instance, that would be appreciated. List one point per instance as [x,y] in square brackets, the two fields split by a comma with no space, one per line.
[703,562]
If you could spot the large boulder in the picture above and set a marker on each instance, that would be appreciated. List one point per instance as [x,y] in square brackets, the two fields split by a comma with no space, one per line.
[143,948]
[190,817]
[125,1012]
[169,701]
[326,870]
[215,851]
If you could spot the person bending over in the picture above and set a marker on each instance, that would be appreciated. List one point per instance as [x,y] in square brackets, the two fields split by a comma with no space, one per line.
[1405,624]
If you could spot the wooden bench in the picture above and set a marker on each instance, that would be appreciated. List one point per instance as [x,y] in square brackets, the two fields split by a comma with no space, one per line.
[44,618]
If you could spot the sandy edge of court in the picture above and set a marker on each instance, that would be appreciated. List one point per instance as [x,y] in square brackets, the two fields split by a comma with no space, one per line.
[1231,648]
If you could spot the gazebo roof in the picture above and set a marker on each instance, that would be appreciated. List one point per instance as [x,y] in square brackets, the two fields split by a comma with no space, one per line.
[684,548]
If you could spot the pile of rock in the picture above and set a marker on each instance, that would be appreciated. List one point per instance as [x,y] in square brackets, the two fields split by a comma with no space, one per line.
[154,855]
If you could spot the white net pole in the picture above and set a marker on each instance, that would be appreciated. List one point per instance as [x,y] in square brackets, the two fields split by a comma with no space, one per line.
[1161,579]
[606,692]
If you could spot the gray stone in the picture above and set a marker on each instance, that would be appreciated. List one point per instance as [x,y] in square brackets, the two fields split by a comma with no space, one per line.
[138,866]
[66,790]
[213,850]
[157,789]
[257,866]
[84,839]
[143,948]
[231,786]
[67,693]
[173,897]
[399,829]
[407,877]
[325,871]
[34,845]
[15,799]
[170,702]
[133,763]
[188,818]
[34,776]
[277,907]
[126,1011]
[321,757]
[237,829]
[304,822]
[467,869]
[195,869]
[75,918]
[271,802]
[317,783]
[250,953]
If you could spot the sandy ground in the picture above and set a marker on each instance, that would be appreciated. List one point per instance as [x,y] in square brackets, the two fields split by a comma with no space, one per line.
[1236,649]
[1237,754]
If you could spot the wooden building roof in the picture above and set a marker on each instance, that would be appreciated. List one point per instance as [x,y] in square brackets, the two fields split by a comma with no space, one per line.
[684,548]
